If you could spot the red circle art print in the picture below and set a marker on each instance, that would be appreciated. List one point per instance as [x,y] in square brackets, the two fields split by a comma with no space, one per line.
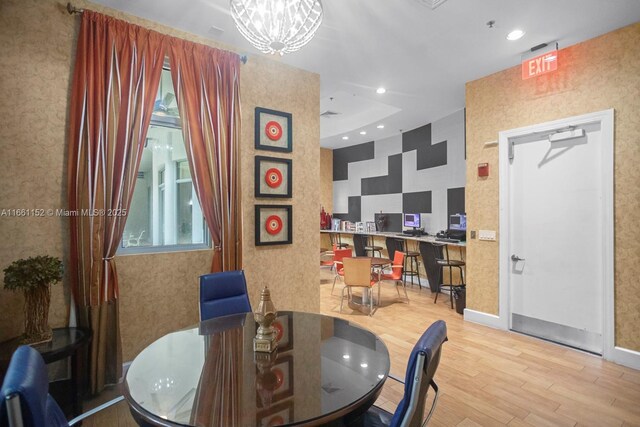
[273,225]
[273,130]
[279,377]
[273,178]
[279,330]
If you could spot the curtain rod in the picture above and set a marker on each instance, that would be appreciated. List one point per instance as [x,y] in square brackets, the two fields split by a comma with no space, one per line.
[74,10]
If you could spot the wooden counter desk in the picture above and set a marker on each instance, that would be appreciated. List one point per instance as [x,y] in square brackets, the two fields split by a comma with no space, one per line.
[412,243]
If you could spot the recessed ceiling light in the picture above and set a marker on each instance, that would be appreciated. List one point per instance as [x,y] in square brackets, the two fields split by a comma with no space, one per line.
[380,126]
[515,35]
[345,137]
[363,132]
[381,90]
[364,365]
[345,356]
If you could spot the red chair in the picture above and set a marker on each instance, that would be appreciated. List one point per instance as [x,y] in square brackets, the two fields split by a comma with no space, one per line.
[396,273]
[338,256]
[328,262]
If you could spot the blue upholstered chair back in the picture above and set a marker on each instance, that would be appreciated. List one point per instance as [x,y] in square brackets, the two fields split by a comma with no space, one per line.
[222,294]
[27,378]
[428,346]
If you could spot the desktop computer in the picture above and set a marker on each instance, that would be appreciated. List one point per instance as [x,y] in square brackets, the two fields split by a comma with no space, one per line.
[457,231]
[412,220]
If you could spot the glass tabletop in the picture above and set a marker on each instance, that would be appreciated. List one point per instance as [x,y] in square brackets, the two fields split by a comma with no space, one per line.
[324,368]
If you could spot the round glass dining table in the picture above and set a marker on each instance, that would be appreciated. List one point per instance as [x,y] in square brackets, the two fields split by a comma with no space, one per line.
[325,371]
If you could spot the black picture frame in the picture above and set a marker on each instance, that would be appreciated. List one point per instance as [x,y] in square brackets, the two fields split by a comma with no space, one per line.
[286,322]
[283,210]
[262,189]
[286,145]
[282,410]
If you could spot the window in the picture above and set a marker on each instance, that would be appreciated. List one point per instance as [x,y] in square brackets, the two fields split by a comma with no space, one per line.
[165,214]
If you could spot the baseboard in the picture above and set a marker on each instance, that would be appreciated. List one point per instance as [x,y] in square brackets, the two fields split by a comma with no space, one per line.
[626,357]
[485,319]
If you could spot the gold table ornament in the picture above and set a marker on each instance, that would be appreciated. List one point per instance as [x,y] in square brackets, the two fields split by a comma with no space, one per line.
[265,339]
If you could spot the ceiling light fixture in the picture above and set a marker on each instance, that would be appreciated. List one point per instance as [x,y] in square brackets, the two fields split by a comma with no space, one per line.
[380,126]
[515,35]
[381,90]
[363,132]
[281,26]
[345,137]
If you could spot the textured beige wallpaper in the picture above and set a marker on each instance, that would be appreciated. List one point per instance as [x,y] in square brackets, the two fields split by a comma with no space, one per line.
[326,179]
[598,74]
[158,292]
[290,270]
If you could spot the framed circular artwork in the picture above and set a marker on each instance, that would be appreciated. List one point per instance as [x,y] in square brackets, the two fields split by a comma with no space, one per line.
[273,130]
[273,224]
[272,177]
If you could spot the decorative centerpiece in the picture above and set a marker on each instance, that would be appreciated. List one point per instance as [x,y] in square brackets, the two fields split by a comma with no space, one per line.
[265,339]
[34,276]
[266,380]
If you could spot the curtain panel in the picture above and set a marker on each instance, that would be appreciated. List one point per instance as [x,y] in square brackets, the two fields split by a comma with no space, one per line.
[116,77]
[207,86]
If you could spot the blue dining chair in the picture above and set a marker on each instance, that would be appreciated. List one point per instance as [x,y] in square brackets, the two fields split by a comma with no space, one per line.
[222,294]
[421,368]
[26,401]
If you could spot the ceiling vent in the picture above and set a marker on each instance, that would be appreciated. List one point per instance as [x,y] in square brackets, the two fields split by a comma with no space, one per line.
[431,3]
[328,114]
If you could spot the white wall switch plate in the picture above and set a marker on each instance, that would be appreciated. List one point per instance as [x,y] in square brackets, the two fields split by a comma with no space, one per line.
[487,235]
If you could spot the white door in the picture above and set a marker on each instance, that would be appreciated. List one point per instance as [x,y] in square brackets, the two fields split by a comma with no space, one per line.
[557,217]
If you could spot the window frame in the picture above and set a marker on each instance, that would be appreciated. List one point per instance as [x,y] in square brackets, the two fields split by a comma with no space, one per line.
[172,123]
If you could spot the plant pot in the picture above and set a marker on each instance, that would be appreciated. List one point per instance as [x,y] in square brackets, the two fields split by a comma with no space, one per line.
[36,315]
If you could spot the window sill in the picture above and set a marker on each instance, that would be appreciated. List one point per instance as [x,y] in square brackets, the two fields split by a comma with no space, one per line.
[152,250]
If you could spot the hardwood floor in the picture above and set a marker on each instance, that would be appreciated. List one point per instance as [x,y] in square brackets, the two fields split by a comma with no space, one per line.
[486,377]
[495,378]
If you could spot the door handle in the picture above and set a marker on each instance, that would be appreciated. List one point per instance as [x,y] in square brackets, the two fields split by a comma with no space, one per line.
[516,258]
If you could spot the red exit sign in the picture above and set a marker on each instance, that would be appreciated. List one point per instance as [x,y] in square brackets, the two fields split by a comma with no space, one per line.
[539,65]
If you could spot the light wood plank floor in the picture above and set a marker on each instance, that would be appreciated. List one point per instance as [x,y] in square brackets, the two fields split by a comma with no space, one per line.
[486,377]
[495,378]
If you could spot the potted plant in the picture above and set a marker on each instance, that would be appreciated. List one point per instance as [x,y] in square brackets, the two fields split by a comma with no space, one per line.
[34,276]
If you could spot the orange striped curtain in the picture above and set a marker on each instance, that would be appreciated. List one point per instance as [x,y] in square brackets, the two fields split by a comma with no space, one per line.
[116,78]
[206,83]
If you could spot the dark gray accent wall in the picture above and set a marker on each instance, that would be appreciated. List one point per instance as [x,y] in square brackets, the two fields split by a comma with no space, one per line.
[354,213]
[455,201]
[429,155]
[392,222]
[343,156]
[418,202]
[391,183]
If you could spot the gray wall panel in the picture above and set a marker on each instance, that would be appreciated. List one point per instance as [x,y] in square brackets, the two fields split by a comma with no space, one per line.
[343,156]
[393,172]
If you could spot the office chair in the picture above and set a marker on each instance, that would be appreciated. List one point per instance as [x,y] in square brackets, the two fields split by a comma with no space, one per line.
[397,273]
[338,257]
[357,274]
[26,401]
[421,368]
[222,294]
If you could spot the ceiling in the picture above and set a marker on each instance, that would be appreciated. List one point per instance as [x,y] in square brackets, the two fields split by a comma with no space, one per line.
[422,56]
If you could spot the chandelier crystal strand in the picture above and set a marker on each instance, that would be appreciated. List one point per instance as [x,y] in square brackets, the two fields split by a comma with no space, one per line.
[277,26]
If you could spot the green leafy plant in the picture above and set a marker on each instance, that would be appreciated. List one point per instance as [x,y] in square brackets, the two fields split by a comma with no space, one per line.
[33,276]
[33,272]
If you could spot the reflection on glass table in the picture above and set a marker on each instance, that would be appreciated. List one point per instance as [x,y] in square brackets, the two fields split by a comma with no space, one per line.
[325,369]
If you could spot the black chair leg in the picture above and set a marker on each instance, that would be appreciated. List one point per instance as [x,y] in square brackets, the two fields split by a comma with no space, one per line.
[451,285]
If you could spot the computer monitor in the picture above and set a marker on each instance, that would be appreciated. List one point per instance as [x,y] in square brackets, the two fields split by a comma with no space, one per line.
[412,220]
[458,222]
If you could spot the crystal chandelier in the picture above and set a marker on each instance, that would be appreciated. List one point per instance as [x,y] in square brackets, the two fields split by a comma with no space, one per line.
[280,26]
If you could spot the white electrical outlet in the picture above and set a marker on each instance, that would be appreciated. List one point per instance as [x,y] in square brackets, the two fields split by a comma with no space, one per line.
[487,235]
